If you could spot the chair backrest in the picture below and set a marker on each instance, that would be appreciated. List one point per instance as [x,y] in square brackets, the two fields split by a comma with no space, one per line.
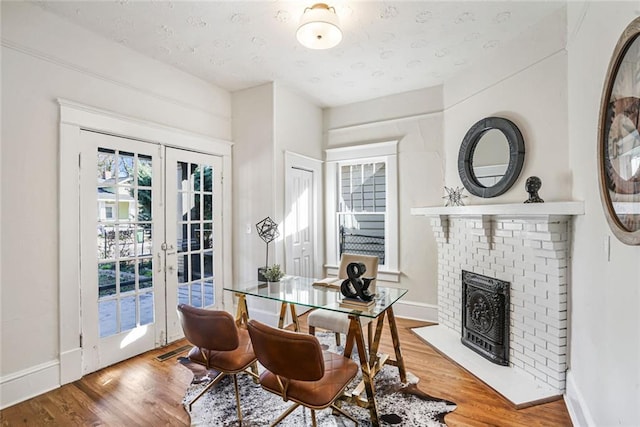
[370,262]
[210,329]
[288,354]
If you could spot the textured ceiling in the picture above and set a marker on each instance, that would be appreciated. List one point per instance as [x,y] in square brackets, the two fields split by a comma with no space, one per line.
[388,47]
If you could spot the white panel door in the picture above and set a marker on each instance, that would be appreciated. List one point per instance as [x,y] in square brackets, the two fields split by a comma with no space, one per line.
[299,227]
[121,223]
[193,234]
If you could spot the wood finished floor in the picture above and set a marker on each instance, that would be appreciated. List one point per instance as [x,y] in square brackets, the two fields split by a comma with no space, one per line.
[145,392]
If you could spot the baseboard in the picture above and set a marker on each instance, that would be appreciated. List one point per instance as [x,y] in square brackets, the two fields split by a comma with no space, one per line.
[416,311]
[577,407]
[23,385]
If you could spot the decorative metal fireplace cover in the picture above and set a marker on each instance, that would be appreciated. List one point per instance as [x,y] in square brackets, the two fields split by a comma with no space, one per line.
[485,316]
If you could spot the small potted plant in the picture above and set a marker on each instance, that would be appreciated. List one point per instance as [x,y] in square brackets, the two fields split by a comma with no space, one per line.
[273,273]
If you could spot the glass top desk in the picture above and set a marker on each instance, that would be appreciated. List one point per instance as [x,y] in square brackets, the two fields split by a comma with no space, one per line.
[293,290]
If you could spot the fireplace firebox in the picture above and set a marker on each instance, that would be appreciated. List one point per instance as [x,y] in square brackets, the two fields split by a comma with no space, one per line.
[485,316]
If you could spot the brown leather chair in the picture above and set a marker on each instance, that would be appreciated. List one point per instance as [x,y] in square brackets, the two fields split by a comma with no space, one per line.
[218,344]
[297,369]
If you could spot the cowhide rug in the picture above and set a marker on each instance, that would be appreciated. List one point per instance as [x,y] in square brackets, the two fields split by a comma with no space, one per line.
[398,404]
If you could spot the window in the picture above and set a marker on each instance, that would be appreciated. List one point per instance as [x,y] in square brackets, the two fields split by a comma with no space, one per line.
[108,212]
[361,203]
[361,210]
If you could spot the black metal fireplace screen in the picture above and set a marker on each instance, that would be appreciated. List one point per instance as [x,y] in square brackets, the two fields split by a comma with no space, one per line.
[485,316]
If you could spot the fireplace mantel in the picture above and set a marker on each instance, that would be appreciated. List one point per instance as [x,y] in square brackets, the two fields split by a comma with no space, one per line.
[510,209]
[549,211]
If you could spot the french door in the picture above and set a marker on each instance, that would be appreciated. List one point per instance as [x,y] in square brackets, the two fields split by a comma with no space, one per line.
[193,235]
[149,233]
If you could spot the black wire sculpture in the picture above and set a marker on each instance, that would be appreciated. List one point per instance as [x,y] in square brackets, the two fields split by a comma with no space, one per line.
[268,231]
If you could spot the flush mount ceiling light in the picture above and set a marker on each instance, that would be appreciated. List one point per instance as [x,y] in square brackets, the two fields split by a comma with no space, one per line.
[319,27]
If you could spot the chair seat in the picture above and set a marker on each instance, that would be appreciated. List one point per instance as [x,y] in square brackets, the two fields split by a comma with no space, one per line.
[338,371]
[233,361]
[332,320]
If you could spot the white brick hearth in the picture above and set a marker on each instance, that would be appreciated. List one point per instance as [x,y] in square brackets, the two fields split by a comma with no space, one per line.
[529,246]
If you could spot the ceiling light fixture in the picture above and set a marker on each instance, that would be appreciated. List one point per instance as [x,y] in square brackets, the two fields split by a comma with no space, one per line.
[319,27]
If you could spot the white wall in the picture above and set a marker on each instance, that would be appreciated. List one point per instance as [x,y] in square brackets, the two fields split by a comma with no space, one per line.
[415,119]
[525,83]
[267,121]
[298,129]
[45,58]
[253,179]
[604,376]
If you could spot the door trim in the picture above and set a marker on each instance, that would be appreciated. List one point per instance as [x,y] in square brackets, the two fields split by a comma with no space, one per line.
[73,118]
[299,161]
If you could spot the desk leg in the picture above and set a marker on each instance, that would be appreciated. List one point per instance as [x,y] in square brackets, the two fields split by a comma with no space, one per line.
[294,318]
[242,318]
[355,334]
[373,349]
[283,313]
[396,345]
[242,315]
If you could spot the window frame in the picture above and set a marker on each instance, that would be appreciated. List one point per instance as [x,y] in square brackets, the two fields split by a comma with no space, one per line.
[108,212]
[363,153]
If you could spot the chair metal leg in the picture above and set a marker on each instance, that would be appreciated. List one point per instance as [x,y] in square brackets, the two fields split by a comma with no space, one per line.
[253,372]
[312,330]
[313,418]
[235,385]
[211,384]
[285,414]
[341,411]
[338,339]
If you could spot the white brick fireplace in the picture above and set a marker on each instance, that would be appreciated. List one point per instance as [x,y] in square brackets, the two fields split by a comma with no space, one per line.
[529,246]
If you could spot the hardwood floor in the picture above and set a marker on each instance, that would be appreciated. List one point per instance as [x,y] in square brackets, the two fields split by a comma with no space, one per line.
[145,392]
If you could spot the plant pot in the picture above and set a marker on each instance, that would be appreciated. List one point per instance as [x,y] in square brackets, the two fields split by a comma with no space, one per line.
[274,286]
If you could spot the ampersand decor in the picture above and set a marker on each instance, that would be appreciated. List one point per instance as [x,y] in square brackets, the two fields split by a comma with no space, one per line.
[356,286]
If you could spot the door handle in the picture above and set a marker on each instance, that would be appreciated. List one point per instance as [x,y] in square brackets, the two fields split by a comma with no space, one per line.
[169,249]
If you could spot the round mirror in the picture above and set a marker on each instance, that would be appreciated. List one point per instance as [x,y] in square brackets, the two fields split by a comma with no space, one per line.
[619,138]
[491,157]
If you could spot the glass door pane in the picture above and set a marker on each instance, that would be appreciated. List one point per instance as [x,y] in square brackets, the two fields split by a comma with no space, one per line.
[124,198]
[193,218]
[194,226]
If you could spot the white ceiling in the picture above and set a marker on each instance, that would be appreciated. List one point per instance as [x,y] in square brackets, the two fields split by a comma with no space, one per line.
[388,47]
